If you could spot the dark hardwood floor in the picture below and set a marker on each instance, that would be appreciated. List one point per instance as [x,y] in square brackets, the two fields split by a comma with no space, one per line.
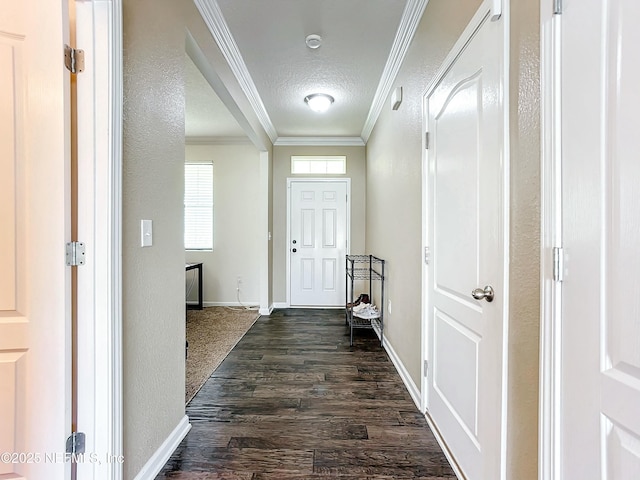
[294,401]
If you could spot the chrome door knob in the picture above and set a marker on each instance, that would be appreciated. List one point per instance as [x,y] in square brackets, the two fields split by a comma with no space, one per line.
[485,293]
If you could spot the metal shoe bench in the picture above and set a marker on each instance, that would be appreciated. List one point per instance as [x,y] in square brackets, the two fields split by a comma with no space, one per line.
[367,268]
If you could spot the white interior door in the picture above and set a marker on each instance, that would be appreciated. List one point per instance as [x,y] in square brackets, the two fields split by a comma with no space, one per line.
[318,231]
[34,226]
[599,410]
[465,116]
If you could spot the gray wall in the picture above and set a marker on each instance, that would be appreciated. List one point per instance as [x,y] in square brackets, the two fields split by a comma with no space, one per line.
[394,216]
[236,225]
[153,182]
[389,183]
[524,315]
[394,178]
[356,170]
[153,185]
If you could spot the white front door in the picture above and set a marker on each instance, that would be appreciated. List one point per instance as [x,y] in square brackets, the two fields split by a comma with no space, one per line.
[599,410]
[466,222]
[317,242]
[35,369]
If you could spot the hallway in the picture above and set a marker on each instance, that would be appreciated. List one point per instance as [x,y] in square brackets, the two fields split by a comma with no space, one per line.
[294,401]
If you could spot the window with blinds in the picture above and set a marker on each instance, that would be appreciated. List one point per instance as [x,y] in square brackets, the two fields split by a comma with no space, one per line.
[198,206]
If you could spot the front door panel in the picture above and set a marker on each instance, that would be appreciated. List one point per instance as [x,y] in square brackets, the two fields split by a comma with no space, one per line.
[318,242]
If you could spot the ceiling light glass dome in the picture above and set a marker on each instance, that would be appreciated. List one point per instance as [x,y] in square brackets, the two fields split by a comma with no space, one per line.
[319,102]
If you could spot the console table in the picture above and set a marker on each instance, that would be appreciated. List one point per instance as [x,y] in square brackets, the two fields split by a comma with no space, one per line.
[198,267]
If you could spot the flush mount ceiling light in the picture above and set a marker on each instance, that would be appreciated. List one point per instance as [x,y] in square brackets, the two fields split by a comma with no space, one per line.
[313,41]
[319,102]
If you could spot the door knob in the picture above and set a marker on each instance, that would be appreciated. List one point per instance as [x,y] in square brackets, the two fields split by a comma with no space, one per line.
[294,250]
[486,293]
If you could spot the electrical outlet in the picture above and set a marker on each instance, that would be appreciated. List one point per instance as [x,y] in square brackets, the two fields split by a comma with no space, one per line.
[238,282]
[389,307]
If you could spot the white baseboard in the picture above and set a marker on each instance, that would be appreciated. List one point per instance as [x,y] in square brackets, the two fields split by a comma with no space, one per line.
[445,448]
[307,307]
[266,311]
[161,456]
[414,391]
[376,329]
[231,304]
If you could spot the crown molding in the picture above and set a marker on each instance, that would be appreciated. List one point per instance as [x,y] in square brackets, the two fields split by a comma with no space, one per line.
[212,16]
[319,142]
[406,31]
[217,141]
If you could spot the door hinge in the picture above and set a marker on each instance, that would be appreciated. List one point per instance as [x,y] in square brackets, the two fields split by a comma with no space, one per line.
[73,59]
[75,443]
[427,255]
[558,264]
[426,140]
[426,368]
[557,7]
[75,254]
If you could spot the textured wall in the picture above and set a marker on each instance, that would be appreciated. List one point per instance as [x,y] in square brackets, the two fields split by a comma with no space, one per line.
[153,185]
[237,235]
[154,38]
[155,34]
[394,208]
[356,170]
[524,315]
[394,178]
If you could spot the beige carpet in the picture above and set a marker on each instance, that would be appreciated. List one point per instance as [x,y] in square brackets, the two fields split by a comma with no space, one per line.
[212,333]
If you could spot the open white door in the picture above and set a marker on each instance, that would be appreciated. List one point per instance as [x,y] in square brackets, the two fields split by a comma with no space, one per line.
[35,383]
[317,239]
[465,110]
[598,414]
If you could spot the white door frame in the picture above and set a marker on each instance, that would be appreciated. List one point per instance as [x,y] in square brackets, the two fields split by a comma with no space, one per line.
[99,34]
[266,306]
[551,237]
[288,240]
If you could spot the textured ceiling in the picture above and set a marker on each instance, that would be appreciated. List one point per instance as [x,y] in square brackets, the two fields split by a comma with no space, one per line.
[357,38]
[206,116]
[362,47]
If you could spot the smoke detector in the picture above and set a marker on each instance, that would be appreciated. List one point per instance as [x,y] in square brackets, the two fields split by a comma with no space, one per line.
[313,41]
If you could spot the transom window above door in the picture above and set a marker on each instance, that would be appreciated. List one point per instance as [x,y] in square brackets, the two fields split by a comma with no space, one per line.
[318,165]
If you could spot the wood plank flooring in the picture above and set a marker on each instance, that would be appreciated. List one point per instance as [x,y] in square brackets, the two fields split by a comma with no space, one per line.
[294,401]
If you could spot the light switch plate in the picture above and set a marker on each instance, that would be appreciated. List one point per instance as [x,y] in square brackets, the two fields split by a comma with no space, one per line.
[146,233]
